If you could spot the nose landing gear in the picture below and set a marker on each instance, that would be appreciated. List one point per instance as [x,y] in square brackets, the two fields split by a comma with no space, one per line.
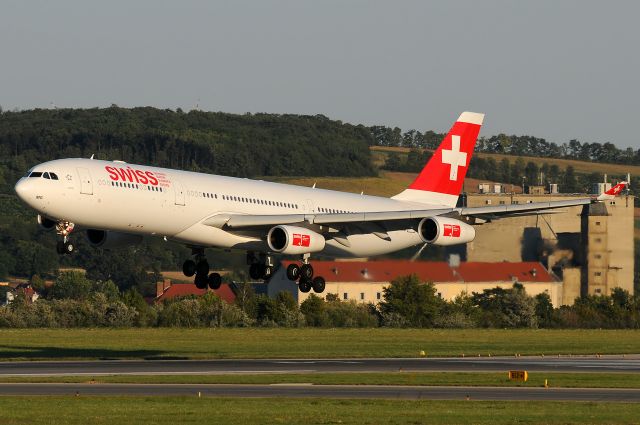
[199,267]
[64,229]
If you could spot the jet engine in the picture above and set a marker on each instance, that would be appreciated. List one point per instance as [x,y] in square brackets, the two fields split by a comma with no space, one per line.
[445,231]
[292,240]
[46,223]
[108,240]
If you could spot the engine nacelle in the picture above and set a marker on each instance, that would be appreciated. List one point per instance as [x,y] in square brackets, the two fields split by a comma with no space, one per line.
[294,240]
[46,223]
[108,240]
[445,231]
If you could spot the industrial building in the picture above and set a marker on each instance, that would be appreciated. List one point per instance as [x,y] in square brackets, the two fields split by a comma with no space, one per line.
[591,247]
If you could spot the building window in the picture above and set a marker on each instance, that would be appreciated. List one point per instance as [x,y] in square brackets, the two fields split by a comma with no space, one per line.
[378,295]
[597,223]
[345,296]
[362,295]
[501,202]
[597,240]
[598,291]
[598,256]
[598,274]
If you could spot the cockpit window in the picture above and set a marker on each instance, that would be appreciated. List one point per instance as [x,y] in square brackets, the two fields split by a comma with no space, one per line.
[46,175]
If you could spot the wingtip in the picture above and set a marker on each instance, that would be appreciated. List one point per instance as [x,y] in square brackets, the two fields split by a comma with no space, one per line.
[471,118]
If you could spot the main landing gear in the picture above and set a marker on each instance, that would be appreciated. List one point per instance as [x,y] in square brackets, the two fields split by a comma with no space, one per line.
[304,275]
[64,229]
[199,267]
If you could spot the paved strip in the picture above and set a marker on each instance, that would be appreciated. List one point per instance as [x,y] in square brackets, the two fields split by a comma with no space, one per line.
[328,391]
[246,366]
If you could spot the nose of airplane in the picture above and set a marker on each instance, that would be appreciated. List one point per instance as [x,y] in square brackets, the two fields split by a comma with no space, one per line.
[22,189]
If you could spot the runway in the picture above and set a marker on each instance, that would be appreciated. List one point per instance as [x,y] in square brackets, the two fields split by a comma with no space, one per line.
[630,364]
[328,391]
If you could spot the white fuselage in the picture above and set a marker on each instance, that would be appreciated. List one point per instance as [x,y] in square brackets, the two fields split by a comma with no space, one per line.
[121,197]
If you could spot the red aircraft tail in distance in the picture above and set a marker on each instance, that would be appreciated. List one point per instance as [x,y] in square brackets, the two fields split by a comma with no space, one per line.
[613,192]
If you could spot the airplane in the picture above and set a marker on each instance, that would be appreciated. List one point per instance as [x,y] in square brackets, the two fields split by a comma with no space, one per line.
[117,203]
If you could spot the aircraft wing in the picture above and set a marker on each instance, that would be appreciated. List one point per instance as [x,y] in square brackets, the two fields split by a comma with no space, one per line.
[240,221]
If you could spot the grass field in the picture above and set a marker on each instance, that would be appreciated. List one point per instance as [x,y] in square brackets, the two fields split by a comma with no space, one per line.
[18,344]
[387,184]
[493,379]
[193,410]
[582,167]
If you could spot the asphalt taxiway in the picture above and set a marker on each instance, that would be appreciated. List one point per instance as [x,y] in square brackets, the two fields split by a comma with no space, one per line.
[629,363]
[610,364]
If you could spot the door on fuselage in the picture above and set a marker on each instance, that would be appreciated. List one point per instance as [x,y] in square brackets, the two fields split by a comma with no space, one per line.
[86,184]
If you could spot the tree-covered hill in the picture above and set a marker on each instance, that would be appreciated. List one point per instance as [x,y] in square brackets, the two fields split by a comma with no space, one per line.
[236,145]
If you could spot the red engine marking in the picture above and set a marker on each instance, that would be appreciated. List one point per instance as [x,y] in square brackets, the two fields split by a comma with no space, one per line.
[452,230]
[301,240]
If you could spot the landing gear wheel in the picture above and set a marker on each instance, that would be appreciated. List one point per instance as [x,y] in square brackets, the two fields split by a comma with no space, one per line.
[267,272]
[293,272]
[306,271]
[214,281]
[189,268]
[202,267]
[69,247]
[304,285]
[318,284]
[201,281]
[254,271]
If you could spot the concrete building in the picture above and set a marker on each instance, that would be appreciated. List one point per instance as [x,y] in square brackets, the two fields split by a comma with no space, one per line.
[364,281]
[591,248]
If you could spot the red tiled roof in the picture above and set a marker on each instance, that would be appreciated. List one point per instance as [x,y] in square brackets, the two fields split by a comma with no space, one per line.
[186,289]
[430,271]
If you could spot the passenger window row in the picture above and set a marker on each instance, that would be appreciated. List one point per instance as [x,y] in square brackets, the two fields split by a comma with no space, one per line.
[202,194]
[333,211]
[45,175]
[259,201]
[136,186]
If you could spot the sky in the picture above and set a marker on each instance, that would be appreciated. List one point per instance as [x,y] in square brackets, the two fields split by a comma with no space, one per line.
[555,69]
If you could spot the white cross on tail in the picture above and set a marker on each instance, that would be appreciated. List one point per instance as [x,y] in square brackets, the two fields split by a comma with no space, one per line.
[454,157]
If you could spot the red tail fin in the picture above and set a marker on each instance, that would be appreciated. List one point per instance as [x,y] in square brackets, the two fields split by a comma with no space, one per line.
[440,181]
[611,193]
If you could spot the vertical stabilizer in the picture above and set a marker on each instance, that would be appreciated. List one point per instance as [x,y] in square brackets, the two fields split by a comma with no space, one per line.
[440,181]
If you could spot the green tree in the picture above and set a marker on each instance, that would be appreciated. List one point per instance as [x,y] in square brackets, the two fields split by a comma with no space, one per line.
[506,307]
[71,285]
[415,301]
[570,182]
[392,162]
[504,171]
[544,310]
[313,309]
